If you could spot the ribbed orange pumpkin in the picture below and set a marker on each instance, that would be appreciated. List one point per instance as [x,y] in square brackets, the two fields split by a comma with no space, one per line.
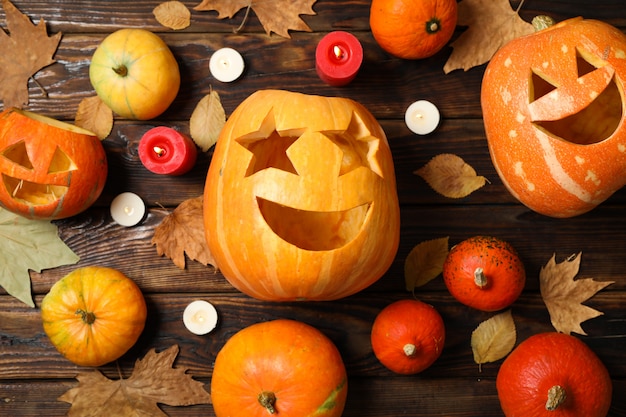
[553,374]
[300,201]
[554,116]
[280,367]
[49,169]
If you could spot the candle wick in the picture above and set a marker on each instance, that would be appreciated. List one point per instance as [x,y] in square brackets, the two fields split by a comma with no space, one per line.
[129,210]
[159,151]
[225,63]
[338,52]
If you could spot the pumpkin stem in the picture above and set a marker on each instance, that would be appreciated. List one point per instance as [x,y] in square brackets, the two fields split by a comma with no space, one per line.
[87,316]
[409,349]
[480,279]
[122,70]
[556,397]
[542,22]
[433,26]
[267,399]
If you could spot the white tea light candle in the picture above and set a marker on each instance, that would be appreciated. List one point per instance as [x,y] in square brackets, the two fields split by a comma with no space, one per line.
[226,65]
[422,117]
[127,209]
[200,317]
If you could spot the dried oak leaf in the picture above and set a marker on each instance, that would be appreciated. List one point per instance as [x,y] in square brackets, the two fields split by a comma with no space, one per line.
[182,231]
[153,381]
[172,14]
[491,24]
[25,51]
[95,116]
[494,338]
[564,295]
[207,121]
[278,16]
[425,262]
[450,176]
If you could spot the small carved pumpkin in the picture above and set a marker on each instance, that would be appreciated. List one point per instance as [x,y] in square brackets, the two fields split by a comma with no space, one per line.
[49,169]
[300,199]
[553,108]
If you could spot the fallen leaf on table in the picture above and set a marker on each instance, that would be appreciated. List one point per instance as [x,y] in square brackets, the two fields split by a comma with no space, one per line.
[28,244]
[95,116]
[425,262]
[494,338]
[450,176]
[207,121]
[24,51]
[491,24]
[182,232]
[153,381]
[278,16]
[172,14]
[564,295]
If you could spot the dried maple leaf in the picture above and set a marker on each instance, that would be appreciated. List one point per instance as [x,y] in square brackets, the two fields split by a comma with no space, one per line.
[450,176]
[182,232]
[207,121]
[153,381]
[94,115]
[425,262]
[491,24]
[278,16]
[172,14]
[22,53]
[494,338]
[564,295]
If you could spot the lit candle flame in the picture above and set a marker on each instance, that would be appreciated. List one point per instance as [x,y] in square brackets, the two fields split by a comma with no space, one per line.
[338,52]
[199,317]
[129,210]
[159,151]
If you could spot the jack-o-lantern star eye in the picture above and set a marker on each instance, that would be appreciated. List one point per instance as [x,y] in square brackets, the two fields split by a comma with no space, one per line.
[582,105]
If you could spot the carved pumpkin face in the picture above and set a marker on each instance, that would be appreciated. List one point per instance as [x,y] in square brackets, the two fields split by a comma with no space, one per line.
[300,198]
[49,169]
[553,107]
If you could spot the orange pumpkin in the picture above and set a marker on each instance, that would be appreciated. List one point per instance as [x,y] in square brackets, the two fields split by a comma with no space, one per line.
[93,315]
[282,367]
[408,336]
[300,200]
[413,29]
[485,273]
[50,169]
[553,111]
[554,374]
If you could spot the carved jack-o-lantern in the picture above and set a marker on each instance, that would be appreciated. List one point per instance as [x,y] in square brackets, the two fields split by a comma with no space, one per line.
[300,200]
[553,107]
[49,169]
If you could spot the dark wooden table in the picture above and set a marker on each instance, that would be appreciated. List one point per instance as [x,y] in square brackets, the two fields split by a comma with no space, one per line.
[33,374]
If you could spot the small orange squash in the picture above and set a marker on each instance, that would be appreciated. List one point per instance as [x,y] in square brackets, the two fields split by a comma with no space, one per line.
[300,200]
[408,336]
[553,374]
[554,115]
[93,315]
[484,272]
[283,367]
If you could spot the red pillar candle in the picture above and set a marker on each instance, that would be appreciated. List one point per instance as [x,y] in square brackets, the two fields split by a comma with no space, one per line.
[338,57]
[164,150]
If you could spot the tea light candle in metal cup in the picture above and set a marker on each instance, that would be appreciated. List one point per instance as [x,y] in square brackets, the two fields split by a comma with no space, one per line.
[226,65]
[338,58]
[422,117]
[128,209]
[200,317]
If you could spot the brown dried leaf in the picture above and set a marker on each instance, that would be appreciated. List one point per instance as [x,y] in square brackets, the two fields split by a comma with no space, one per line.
[153,381]
[278,16]
[425,262]
[450,176]
[172,14]
[494,338]
[22,53]
[207,121]
[564,295]
[94,115]
[491,24]
[182,232]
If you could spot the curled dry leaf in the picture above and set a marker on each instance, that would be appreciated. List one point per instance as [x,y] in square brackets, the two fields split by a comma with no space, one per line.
[450,176]
[425,262]
[207,121]
[494,338]
[564,295]
[95,116]
[172,14]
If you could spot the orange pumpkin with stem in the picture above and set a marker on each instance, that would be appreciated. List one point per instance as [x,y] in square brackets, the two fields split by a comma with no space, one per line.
[553,374]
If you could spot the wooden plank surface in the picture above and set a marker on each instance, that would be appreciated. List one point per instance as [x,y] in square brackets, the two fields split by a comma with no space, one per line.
[33,374]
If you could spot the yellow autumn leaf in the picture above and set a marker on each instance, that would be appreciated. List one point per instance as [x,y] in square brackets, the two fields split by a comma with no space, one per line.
[95,116]
[207,121]
[451,176]
[172,14]
[494,338]
[425,262]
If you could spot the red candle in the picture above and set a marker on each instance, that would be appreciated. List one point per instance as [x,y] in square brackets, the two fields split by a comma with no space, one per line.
[338,58]
[164,150]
